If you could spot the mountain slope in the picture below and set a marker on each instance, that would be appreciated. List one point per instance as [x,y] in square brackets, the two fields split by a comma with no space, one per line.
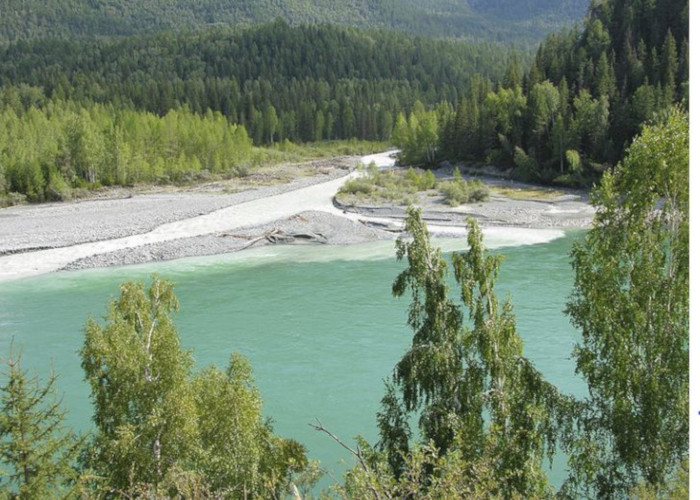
[585,97]
[300,83]
[506,20]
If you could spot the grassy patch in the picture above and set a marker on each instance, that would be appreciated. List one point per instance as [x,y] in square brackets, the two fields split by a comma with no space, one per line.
[288,152]
[403,187]
[386,186]
[531,193]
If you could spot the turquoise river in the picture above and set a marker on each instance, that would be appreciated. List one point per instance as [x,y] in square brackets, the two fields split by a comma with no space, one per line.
[319,325]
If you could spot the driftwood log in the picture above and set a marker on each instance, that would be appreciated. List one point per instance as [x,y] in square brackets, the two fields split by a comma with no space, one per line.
[384,226]
[276,236]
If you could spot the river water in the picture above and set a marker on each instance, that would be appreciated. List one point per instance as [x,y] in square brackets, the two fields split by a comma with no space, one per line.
[319,325]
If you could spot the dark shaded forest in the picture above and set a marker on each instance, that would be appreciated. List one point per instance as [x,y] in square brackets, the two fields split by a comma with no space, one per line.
[571,114]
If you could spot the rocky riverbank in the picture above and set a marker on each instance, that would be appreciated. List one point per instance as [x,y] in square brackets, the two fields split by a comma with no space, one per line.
[127,227]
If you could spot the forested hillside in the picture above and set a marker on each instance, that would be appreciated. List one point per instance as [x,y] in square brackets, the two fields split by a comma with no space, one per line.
[281,82]
[508,20]
[571,115]
[75,100]
[566,119]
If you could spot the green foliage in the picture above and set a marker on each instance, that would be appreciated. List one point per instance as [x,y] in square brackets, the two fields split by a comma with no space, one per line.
[677,488]
[479,400]
[231,454]
[459,191]
[451,476]
[423,180]
[159,427]
[3,181]
[631,302]
[49,151]
[37,454]
[484,20]
[403,186]
[504,112]
[588,90]
[573,160]
[381,186]
[288,152]
[525,167]
[138,373]
[304,83]
[57,188]
[417,137]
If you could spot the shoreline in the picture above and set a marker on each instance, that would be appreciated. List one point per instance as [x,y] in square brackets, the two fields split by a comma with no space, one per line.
[201,221]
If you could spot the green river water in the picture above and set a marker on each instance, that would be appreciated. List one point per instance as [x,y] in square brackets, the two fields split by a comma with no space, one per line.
[319,325]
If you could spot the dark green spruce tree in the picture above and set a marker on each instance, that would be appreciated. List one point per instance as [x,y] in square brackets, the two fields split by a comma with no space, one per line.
[38,454]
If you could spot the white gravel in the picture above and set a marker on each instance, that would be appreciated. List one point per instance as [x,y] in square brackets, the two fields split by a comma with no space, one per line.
[37,239]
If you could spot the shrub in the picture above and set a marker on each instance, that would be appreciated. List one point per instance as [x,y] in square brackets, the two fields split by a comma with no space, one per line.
[360,186]
[478,191]
[421,179]
[459,191]
[57,188]
[11,199]
[396,186]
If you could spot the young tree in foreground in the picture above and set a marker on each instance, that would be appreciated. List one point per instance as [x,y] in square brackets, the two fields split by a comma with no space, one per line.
[144,412]
[485,412]
[37,454]
[631,300]
[164,432]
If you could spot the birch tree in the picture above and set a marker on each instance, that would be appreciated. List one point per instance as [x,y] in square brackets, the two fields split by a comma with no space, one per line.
[631,303]
[144,411]
[466,377]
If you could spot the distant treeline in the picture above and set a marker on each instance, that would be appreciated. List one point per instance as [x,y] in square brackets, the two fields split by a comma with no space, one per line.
[575,111]
[504,20]
[298,83]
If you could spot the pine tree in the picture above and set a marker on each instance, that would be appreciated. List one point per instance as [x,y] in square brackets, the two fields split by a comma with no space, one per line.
[38,455]
[669,67]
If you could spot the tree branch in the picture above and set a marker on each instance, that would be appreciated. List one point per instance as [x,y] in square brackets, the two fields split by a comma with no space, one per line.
[356,452]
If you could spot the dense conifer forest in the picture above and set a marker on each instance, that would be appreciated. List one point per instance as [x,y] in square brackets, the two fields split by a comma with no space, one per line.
[570,115]
[281,82]
[475,20]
